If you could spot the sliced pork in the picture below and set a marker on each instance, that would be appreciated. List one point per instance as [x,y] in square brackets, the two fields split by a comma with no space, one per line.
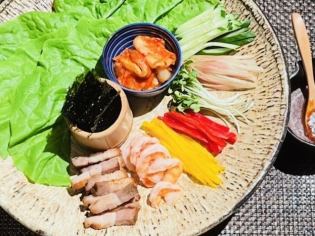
[79,181]
[104,167]
[90,199]
[113,200]
[125,215]
[115,194]
[106,187]
[95,158]
[119,174]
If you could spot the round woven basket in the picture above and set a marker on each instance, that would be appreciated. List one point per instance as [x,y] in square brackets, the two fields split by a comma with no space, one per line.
[52,211]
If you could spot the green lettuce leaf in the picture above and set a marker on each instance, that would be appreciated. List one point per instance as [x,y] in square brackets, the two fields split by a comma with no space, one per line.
[16,33]
[44,158]
[92,8]
[42,94]
[144,10]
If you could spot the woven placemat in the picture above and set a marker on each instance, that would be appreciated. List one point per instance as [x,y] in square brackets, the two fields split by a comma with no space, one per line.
[284,203]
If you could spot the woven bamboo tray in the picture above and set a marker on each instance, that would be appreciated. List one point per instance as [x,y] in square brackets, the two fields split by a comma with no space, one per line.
[52,211]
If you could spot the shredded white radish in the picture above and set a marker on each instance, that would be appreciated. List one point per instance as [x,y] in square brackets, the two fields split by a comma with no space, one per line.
[235,72]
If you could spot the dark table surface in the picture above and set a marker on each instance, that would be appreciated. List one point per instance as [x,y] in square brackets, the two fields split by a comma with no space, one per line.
[284,204]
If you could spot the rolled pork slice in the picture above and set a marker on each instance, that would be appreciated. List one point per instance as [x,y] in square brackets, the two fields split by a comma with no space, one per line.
[112,200]
[90,199]
[119,174]
[82,161]
[124,215]
[133,204]
[104,167]
[106,187]
[79,181]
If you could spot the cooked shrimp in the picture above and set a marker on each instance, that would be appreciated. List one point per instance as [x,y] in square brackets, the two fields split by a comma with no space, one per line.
[172,174]
[137,145]
[154,167]
[143,167]
[126,150]
[171,197]
[150,150]
[164,191]
[150,180]
[135,62]
[156,177]
[163,164]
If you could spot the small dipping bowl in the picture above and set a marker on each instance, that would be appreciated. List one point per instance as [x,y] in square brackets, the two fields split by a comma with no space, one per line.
[113,136]
[298,102]
[297,155]
[123,39]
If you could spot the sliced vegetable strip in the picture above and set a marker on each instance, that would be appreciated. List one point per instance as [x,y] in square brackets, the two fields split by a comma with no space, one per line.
[210,134]
[235,72]
[219,130]
[214,145]
[197,161]
[214,31]
[181,117]
[182,128]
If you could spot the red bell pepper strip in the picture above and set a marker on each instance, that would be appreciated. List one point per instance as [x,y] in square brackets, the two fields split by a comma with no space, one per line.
[232,138]
[214,149]
[193,133]
[217,129]
[209,122]
[193,121]
[182,118]
[210,134]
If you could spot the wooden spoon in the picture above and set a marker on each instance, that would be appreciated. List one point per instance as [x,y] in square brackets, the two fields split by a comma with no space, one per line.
[306,54]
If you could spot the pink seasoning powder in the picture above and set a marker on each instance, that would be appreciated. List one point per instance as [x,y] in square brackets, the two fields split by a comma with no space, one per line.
[311,123]
[297,115]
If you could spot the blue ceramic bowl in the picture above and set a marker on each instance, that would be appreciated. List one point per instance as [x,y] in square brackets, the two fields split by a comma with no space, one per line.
[123,38]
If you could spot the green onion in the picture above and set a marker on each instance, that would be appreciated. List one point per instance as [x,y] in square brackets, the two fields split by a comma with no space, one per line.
[213,32]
